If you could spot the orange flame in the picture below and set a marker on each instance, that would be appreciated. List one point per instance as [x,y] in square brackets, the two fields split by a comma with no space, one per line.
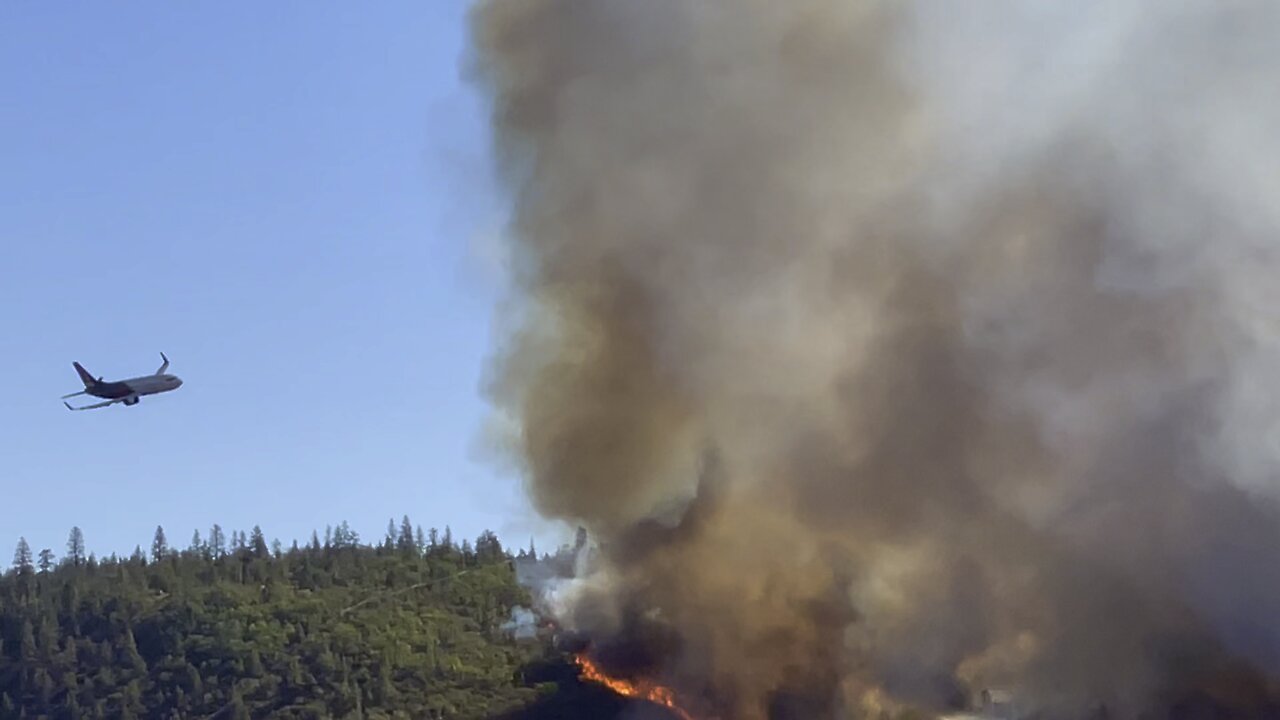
[641,689]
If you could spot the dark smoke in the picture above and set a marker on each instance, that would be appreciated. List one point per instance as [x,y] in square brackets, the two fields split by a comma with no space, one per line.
[897,350]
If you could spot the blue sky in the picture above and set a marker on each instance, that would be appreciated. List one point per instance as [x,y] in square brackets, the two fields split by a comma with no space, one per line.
[286,199]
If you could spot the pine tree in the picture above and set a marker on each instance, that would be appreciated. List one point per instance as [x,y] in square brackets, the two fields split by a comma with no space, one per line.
[46,561]
[389,541]
[315,541]
[292,676]
[195,685]
[159,545]
[129,649]
[217,541]
[405,541]
[382,683]
[71,689]
[420,540]
[44,687]
[488,547]
[258,543]
[27,645]
[133,698]
[22,557]
[447,540]
[75,547]
[197,546]
[253,666]
[48,639]
[433,539]
[238,709]
[345,537]
[70,603]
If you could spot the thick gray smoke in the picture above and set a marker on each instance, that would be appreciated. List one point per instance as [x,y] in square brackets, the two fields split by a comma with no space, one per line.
[896,350]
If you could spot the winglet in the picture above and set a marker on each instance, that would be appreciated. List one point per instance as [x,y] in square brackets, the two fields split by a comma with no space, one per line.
[64,402]
[163,367]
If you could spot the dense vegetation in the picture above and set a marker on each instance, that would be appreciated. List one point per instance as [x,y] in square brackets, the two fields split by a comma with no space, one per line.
[411,627]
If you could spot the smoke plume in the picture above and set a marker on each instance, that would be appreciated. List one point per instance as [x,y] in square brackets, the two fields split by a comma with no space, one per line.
[896,350]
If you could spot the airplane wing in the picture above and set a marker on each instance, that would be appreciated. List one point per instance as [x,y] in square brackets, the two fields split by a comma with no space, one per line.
[82,392]
[163,367]
[95,405]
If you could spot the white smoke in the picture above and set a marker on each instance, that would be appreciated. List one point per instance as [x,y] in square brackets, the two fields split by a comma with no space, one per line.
[523,624]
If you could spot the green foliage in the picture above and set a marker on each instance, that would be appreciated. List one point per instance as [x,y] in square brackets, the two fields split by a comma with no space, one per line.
[75,546]
[159,545]
[403,629]
[22,557]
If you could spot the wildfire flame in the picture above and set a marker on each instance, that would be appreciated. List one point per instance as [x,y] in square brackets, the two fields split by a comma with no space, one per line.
[641,689]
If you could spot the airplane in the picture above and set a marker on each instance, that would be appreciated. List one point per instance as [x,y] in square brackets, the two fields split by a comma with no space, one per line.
[123,391]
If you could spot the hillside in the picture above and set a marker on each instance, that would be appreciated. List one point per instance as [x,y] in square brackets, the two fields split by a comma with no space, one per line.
[408,628]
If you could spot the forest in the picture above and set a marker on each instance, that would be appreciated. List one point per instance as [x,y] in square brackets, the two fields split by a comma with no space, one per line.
[414,625]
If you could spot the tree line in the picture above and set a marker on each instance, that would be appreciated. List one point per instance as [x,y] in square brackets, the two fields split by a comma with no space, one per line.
[403,537]
[234,626]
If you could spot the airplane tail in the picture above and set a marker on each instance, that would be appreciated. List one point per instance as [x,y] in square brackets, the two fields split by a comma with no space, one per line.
[85,377]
